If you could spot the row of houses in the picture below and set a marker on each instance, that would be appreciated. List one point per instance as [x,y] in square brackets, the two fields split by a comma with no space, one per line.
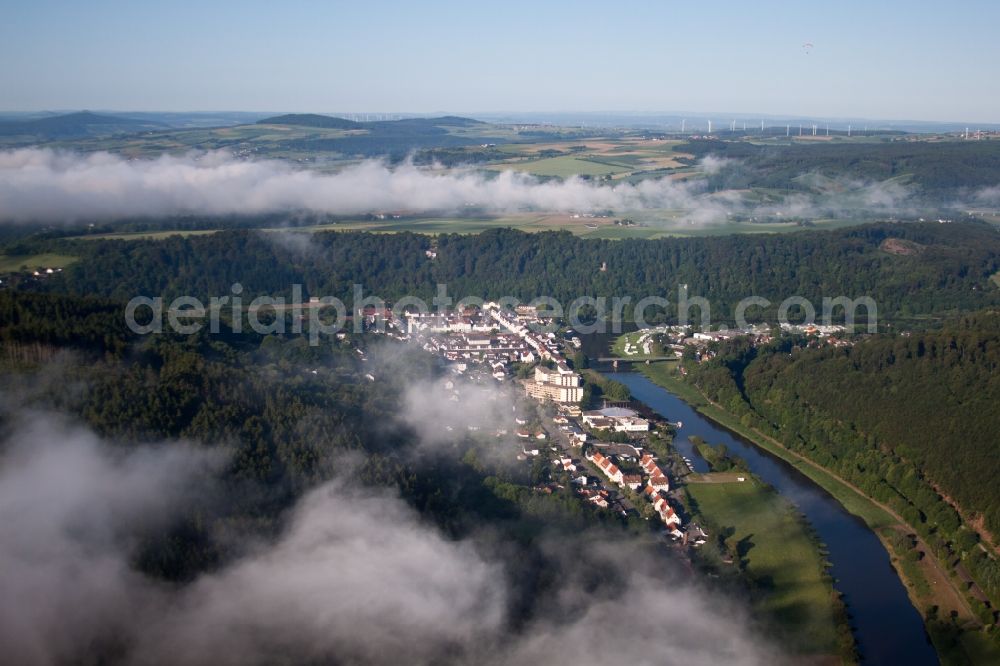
[655,490]
[520,323]
[664,510]
[657,487]
[612,471]
[657,479]
[497,349]
[608,468]
[499,338]
[467,321]
[559,384]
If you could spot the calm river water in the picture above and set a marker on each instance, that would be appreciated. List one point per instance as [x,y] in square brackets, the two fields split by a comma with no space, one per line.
[889,630]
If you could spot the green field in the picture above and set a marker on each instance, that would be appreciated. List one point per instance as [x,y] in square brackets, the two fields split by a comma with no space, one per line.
[289,142]
[435,225]
[779,555]
[565,166]
[31,262]
[148,235]
[655,224]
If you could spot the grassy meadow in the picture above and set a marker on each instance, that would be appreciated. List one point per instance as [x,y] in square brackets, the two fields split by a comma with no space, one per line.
[650,224]
[778,554]
[32,262]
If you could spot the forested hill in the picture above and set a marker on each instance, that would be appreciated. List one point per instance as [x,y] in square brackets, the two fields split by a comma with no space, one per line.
[284,414]
[311,120]
[936,169]
[944,268]
[904,417]
[76,125]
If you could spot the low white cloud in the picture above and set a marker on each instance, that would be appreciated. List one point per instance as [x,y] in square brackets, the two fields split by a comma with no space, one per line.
[40,185]
[987,196]
[48,186]
[711,164]
[646,624]
[355,576]
[439,411]
[69,507]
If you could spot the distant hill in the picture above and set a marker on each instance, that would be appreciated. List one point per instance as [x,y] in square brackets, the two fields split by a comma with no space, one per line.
[307,133]
[198,119]
[333,122]
[77,125]
[441,121]
[392,138]
[311,120]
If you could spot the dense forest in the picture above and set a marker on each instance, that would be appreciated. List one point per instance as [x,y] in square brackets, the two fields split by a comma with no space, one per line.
[938,169]
[288,416]
[911,419]
[946,268]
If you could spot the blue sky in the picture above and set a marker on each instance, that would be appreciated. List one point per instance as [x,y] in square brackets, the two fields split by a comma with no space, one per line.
[889,59]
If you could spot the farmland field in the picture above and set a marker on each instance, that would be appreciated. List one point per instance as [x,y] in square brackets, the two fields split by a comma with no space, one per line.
[650,224]
[616,158]
[148,235]
[565,166]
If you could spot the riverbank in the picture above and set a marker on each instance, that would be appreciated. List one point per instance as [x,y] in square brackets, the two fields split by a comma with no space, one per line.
[662,374]
[951,624]
[756,533]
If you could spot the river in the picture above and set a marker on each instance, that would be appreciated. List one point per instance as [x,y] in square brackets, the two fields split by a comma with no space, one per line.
[887,627]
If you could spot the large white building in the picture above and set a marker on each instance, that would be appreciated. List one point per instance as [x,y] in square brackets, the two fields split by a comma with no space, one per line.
[618,419]
[558,385]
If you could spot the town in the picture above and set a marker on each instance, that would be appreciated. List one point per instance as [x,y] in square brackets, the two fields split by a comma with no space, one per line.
[610,457]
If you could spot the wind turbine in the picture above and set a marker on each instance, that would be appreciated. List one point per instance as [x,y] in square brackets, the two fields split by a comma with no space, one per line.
[683,122]
[709,126]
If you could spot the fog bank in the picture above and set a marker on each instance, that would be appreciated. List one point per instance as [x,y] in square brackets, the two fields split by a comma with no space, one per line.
[355,576]
[48,186]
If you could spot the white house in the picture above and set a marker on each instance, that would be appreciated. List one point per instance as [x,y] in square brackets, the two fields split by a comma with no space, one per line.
[633,481]
[659,482]
[666,512]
